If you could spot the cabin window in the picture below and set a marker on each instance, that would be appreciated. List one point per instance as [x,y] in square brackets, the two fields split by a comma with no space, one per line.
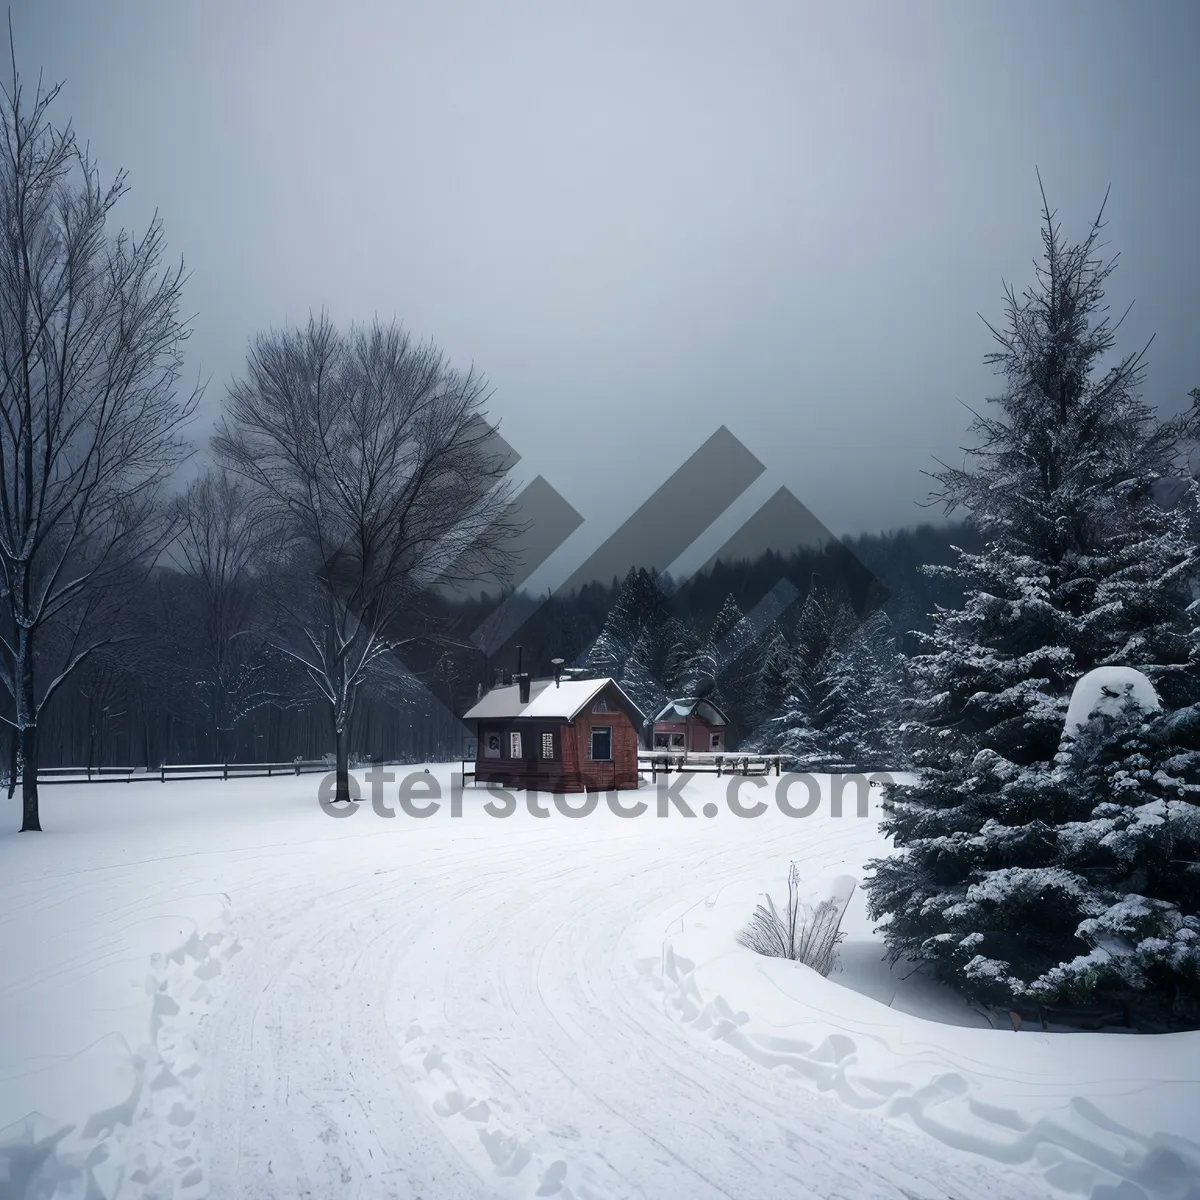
[602,743]
[491,746]
[715,741]
[547,745]
[678,741]
[601,705]
[514,745]
[661,741]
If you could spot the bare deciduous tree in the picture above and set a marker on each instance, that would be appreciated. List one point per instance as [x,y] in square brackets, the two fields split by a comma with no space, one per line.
[370,455]
[90,418]
[218,547]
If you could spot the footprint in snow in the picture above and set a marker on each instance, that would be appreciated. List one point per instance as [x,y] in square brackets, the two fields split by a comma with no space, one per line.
[552,1180]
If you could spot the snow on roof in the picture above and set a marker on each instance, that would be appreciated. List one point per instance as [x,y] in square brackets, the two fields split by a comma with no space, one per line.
[545,700]
[687,705]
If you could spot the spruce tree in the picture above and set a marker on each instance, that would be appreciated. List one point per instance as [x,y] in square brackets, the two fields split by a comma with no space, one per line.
[825,623]
[774,681]
[1129,780]
[1080,568]
[860,705]
[640,604]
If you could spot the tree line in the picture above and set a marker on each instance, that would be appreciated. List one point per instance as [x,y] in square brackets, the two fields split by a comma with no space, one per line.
[354,473]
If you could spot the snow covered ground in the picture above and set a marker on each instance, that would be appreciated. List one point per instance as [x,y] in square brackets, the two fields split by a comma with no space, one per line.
[215,989]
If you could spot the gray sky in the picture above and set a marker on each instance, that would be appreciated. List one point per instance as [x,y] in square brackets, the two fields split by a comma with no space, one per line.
[645,220]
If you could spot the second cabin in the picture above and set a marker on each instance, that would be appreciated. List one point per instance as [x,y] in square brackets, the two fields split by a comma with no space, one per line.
[565,735]
[691,726]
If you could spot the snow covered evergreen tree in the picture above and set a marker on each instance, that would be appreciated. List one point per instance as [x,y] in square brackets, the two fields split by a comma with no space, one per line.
[801,729]
[1081,569]
[637,675]
[860,699]
[774,682]
[642,645]
[712,660]
[1130,779]
[640,604]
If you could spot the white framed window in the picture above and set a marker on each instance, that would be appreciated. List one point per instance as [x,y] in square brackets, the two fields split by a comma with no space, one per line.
[661,741]
[678,741]
[491,746]
[547,745]
[715,741]
[514,745]
[601,743]
[601,705]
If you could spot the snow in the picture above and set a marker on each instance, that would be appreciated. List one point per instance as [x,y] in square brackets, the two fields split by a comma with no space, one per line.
[545,699]
[226,992]
[1105,690]
[685,706]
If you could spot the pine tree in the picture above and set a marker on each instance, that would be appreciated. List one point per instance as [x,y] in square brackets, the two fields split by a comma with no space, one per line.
[774,680]
[640,603]
[1080,568]
[710,668]
[638,678]
[682,669]
[1134,845]
[862,689]
[825,623]
[726,621]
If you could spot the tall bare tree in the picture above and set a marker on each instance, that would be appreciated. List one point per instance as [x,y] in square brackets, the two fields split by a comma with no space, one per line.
[218,548]
[90,417]
[371,455]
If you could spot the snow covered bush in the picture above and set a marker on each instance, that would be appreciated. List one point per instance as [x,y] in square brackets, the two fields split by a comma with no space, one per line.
[805,933]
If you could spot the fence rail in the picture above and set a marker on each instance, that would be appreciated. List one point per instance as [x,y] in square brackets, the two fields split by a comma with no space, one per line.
[713,764]
[52,775]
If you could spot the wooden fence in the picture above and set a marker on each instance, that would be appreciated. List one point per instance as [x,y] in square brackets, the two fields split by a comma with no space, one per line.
[710,764]
[51,775]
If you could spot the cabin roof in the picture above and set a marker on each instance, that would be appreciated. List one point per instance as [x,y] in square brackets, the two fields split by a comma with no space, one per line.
[564,702]
[687,706]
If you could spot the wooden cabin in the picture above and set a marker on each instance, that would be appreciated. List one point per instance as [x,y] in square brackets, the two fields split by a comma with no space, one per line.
[691,725]
[566,735]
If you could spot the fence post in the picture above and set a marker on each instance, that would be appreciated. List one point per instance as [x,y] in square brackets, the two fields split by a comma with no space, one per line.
[225,773]
[89,772]
[163,769]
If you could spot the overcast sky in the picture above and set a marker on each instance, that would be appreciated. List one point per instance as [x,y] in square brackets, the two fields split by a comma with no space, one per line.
[645,220]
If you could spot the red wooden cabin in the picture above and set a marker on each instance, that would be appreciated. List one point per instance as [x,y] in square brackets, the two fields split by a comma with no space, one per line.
[691,725]
[569,735]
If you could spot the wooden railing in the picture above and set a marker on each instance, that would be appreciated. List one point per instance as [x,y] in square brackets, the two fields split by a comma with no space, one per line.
[667,761]
[161,774]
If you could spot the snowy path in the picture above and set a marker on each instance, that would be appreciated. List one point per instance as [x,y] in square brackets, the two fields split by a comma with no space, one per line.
[445,1008]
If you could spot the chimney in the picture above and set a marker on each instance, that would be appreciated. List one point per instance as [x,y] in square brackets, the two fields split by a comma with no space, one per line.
[479,690]
[518,660]
[558,666]
[524,693]
[499,677]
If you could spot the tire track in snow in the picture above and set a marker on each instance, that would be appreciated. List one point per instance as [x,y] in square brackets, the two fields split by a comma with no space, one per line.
[469,1024]
[452,1008]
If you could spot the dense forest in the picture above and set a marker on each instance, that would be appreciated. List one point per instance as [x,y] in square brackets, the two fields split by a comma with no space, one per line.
[201,682]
